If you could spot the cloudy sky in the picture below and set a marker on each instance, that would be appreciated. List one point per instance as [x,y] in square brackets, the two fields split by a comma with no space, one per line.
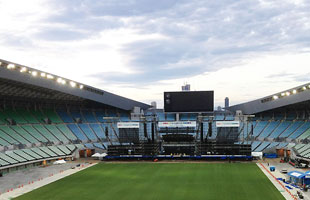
[139,48]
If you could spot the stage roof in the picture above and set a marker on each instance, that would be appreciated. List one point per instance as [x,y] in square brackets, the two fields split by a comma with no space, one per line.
[19,81]
[297,95]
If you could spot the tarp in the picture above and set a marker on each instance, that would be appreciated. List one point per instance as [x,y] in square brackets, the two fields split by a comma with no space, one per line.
[296,174]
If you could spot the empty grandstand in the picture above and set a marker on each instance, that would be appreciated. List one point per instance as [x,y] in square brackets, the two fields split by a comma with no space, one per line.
[44,117]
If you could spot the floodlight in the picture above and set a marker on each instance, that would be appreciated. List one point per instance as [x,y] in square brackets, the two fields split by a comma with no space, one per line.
[287,93]
[49,76]
[23,69]
[275,97]
[308,86]
[73,84]
[43,74]
[34,73]
[294,91]
[282,94]
[11,66]
[63,82]
[304,88]
[0,63]
[81,86]
[59,80]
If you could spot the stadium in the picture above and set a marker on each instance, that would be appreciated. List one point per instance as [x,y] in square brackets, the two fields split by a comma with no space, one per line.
[184,151]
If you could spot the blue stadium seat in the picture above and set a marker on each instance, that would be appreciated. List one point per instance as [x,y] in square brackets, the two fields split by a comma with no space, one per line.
[75,129]
[88,132]
[262,146]
[77,114]
[283,126]
[98,130]
[65,116]
[89,116]
[299,131]
[269,129]
[260,126]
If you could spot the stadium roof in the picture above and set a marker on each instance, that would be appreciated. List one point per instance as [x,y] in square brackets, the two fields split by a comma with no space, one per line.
[297,95]
[19,81]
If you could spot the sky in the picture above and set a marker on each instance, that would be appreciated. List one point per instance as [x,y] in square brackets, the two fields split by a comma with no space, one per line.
[140,48]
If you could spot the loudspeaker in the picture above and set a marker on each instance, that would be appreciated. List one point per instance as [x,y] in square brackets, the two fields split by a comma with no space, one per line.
[153,129]
[47,121]
[78,120]
[11,121]
[210,129]
[145,129]
[106,131]
[201,132]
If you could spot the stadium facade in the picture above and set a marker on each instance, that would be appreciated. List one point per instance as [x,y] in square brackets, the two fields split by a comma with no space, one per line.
[44,117]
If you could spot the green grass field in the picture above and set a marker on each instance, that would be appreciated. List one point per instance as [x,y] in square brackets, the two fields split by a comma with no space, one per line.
[173,181]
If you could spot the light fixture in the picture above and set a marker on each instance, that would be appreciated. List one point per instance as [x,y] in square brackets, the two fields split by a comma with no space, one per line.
[0,63]
[63,82]
[73,84]
[11,66]
[282,94]
[34,73]
[59,80]
[43,74]
[49,76]
[287,93]
[81,86]
[304,88]
[23,69]
[275,97]
[294,91]
[308,86]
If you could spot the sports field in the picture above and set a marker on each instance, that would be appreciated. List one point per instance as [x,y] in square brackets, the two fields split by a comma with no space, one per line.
[162,181]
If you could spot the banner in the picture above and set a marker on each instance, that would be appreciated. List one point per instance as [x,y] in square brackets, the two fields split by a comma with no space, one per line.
[227,124]
[177,124]
[128,124]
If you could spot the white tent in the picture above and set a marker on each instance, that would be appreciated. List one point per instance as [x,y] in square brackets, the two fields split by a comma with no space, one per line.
[59,162]
[103,155]
[96,155]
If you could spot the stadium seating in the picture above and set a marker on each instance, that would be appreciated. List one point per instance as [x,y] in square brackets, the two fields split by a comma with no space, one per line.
[300,130]
[100,115]
[77,115]
[38,115]
[260,126]
[4,136]
[88,132]
[14,135]
[27,116]
[54,130]
[53,116]
[24,134]
[262,146]
[34,133]
[99,145]
[77,131]
[89,116]
[283,126]
[41,129]
[66,131]
[65,116]
[98,130]
[269,129]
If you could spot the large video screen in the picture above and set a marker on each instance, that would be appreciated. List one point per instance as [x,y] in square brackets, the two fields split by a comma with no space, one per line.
[189,101]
